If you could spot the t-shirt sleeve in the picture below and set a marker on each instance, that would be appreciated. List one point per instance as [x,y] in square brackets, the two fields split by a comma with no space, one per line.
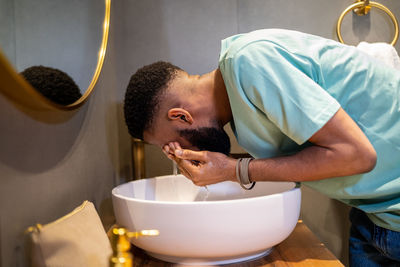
[283,86]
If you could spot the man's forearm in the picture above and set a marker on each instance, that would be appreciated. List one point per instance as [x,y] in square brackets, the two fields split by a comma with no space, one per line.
[339,148]
[312,163]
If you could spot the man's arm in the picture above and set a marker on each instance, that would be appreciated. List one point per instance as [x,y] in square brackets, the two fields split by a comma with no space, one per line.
[339,148]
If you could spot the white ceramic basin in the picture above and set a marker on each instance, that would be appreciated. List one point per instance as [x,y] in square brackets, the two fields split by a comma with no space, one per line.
[223,225]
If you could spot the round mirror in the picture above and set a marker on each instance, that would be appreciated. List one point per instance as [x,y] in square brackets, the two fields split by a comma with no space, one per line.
[53,50]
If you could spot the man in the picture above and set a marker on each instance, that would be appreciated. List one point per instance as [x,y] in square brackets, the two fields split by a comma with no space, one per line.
[306,108]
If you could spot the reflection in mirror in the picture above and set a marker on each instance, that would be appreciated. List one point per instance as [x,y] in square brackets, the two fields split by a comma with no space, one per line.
[56,45]
[54,84]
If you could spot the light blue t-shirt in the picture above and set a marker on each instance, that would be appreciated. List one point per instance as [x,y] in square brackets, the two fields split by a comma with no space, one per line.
[283,86]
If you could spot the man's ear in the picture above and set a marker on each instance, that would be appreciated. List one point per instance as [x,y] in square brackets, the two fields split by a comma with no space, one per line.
[180,114]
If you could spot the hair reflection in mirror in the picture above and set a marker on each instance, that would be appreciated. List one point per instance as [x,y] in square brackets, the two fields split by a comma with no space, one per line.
[54,84]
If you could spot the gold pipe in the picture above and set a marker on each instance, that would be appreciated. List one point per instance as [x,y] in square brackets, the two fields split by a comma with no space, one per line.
[138,159]
[362,7]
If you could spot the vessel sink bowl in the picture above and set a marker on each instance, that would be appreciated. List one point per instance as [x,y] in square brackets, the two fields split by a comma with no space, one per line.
[220,224]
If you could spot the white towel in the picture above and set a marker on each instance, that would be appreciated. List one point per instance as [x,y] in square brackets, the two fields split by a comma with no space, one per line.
[381,51]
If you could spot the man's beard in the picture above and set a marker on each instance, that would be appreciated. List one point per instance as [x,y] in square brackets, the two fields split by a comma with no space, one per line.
[208,138]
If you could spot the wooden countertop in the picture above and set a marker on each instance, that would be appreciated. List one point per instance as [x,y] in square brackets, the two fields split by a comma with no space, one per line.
[301,248]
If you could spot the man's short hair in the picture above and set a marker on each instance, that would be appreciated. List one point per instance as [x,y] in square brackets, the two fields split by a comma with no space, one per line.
[143,95]
[53,83]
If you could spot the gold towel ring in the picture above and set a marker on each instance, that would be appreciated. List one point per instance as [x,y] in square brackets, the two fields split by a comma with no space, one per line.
[372,4]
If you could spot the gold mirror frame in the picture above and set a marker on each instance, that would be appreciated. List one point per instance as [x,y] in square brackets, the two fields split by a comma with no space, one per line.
[14,86]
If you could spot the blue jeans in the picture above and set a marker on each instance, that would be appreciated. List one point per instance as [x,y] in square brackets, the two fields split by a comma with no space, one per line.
[371,245]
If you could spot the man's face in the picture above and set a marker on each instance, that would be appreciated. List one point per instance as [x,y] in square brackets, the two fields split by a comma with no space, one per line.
[204,138]
[208,138]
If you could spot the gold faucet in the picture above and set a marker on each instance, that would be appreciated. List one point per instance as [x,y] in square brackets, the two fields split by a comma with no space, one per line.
[120,244]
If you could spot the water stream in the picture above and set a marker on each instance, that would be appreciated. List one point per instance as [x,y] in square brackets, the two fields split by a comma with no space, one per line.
[174,168]
[207,193]
[175,173]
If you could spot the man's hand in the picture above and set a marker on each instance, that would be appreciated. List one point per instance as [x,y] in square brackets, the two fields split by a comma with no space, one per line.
[202,167]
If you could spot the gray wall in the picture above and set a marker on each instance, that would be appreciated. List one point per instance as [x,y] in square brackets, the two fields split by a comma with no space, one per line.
[51,162]
[47,169]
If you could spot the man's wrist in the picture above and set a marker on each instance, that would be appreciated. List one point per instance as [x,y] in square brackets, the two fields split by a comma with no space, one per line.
[232,170]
